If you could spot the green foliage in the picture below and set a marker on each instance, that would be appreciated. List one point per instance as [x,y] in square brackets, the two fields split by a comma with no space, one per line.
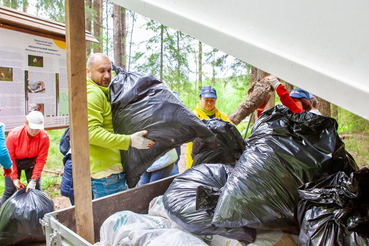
[55,9]
[14,4]
[54,160]
[349,122]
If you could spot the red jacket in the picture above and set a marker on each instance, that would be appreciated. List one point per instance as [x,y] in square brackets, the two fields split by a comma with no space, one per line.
[286,101]
[21,146]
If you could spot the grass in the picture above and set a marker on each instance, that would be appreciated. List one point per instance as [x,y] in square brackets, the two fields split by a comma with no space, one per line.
[357,145]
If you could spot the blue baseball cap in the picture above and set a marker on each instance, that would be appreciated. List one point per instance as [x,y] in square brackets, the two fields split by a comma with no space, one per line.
[300,93]
[176,94]
[208,92]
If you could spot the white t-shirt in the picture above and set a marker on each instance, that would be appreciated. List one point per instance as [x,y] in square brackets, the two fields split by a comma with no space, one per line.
[315,111]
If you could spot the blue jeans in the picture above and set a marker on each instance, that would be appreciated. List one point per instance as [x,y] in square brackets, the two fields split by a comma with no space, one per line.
[148,177]
[175,170]
[110,185]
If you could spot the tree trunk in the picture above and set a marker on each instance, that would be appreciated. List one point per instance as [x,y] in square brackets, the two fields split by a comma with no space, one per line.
[161,51]
[97,25]
[334,111]
[213,65]
[106,27]
[324,106]
[88,24]
[119,36]
[131,37]
[179,63]
[288,86]
[200,64]
[124,37]
[25,6]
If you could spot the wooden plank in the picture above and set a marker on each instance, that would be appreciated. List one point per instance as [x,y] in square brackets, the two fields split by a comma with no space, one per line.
[136,200]
[77,90]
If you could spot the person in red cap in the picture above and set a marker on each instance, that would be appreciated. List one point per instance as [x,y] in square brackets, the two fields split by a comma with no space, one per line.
[28,147]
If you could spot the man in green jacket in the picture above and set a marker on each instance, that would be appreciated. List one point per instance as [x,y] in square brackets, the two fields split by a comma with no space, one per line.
[107,176]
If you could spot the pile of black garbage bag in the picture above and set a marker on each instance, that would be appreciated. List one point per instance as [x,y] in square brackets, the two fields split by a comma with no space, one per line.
[141,102]
[19,217]
[284,152]
[227,147]
[192,197]
[334,210]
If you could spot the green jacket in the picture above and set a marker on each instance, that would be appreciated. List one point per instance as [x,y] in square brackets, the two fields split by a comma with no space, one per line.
[104,143]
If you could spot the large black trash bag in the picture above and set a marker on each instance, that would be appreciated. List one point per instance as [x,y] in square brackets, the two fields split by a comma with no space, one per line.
[141,102]
[20,214]
[335,210]
[227,148]
[191,199]
[284,151]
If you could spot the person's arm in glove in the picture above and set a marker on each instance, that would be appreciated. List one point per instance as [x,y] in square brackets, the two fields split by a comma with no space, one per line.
[7,172]
[19,185]
[138,140]
[273,81]
[283,94]
[31,185]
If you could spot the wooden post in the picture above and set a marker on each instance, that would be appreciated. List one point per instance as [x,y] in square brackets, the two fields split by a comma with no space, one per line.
[77,87]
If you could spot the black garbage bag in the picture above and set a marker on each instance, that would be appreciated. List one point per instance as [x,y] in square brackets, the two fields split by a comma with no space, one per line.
[19,217]
[141,102]
[191,198]
[284,151]
[227,147]
[335,210]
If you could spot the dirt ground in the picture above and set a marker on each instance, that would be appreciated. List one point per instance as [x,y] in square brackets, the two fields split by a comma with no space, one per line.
[61,202]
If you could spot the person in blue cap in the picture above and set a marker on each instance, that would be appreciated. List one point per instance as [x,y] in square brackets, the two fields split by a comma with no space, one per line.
[205,110]
[297,101]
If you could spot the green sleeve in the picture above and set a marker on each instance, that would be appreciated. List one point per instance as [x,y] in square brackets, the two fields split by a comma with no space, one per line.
[98,134]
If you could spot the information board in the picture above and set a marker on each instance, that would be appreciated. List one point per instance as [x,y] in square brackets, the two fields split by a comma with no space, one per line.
[33,76]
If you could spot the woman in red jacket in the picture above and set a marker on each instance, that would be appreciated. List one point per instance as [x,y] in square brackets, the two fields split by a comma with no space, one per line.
[297,101]
[28,147]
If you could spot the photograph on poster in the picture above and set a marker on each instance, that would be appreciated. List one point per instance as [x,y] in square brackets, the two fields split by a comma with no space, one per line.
[36,87]
[35,61]
[37,107]
[6,74]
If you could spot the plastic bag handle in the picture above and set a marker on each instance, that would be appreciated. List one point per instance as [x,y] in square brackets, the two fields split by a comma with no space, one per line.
[117,69]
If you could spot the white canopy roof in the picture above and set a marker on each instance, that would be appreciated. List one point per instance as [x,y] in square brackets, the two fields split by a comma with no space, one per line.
[321,46]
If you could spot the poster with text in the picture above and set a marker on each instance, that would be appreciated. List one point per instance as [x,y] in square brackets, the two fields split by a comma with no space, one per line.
[33,76]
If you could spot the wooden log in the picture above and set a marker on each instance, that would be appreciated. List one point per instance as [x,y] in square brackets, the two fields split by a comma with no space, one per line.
[258,94]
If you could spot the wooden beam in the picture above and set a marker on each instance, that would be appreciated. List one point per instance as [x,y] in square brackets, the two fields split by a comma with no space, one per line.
[77,90]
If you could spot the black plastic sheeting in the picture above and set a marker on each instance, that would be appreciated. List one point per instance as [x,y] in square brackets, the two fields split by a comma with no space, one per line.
[141,102]
[284,151]
[19,217]
[201,184]
[227,148]
[335,210]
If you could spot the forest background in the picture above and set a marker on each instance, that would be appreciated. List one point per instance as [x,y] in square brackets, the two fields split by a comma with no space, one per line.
[185,64]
